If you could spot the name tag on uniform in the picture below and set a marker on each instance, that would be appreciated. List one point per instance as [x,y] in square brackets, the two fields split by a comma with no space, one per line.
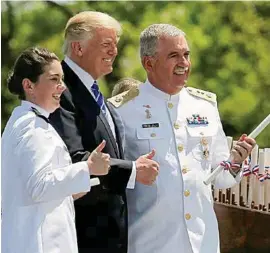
[150,125]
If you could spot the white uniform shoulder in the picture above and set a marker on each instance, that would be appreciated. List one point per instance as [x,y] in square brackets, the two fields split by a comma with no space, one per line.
[26,121]
[209,96]
[124,97]
[31,118]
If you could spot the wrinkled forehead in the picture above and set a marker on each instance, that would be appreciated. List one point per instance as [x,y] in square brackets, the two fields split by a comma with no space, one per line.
[172,43]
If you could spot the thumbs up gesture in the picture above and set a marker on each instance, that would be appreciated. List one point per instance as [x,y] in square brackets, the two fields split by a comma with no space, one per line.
[151,154]
[98,162]
[146,168]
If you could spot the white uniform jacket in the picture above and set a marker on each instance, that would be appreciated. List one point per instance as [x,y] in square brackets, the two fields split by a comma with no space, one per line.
[38,180]
[176,213]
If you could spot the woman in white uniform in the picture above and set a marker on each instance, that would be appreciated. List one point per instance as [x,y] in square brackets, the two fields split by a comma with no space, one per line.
[38,178]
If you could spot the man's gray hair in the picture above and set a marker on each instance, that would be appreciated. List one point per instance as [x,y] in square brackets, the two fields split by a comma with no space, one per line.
[150,36]
[82,26]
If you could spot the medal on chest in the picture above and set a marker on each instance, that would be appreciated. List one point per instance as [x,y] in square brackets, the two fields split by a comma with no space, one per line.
[148,114]
[196,119]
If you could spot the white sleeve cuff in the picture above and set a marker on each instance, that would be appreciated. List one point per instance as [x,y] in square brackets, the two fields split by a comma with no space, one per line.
[85,184]
[132,178]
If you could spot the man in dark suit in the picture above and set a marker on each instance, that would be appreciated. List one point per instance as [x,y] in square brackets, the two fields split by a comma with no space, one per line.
[84,120]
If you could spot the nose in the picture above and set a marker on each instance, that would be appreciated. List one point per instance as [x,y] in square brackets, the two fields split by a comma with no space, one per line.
[61,87]
[113,50]
[184,62]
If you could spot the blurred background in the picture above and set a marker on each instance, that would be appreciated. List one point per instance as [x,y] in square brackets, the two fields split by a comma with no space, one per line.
[229,42]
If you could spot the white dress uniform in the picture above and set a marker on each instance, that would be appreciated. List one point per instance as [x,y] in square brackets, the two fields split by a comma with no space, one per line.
[176,213]
[38,181]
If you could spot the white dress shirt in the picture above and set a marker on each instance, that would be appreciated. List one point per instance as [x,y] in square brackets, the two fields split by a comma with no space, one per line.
[38,180]
[88,81]
[176,213]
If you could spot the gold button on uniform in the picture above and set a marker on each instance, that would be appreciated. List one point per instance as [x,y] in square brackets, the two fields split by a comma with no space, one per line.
[187,216]
[153,135]
[180,148]
[186,193]
[118,99]
[185,169]
[176,125]
[170,105]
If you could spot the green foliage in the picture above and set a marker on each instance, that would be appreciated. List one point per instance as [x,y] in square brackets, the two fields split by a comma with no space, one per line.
[229,44]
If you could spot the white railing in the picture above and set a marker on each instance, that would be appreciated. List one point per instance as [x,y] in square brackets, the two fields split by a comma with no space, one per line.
[254,190]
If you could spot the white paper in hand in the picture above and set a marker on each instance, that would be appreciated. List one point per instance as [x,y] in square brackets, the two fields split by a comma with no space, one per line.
[94,181]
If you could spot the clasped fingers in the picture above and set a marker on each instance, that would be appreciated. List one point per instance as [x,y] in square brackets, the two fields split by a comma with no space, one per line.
[242,149]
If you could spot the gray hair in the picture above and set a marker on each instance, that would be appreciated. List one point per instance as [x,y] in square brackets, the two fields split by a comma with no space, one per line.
[82,26]
[150,36]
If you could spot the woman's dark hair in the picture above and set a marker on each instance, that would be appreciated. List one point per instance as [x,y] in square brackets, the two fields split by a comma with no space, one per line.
[30,64]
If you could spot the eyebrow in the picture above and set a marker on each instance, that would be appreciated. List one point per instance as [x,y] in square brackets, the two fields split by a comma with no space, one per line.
[176,52]
[55,75]
[109,40]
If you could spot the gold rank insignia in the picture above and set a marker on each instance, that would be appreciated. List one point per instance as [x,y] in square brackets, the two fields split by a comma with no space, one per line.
[209,96]
[124,97]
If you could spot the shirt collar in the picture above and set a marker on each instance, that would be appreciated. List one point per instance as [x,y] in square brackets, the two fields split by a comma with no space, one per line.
[151,89]
[85,77]
[29,105]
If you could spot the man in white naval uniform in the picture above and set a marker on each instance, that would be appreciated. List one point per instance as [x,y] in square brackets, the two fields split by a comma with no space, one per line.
[175,214]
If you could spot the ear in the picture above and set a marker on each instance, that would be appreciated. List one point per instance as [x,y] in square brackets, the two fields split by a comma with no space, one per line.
[77,48]
[28,86]
[148,63]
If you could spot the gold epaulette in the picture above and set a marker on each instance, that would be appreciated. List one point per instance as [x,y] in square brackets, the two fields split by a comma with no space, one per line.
[124,97]
[212,97]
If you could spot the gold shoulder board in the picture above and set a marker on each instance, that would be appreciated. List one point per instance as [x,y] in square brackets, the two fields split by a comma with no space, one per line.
[124,97]
[212,97]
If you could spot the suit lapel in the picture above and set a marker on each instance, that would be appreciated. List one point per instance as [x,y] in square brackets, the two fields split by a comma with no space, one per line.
[77,87]
[117,135]
[108,128]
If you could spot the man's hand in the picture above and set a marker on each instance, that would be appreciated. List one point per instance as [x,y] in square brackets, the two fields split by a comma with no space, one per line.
[242,149]
[147,169]
[98,162]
